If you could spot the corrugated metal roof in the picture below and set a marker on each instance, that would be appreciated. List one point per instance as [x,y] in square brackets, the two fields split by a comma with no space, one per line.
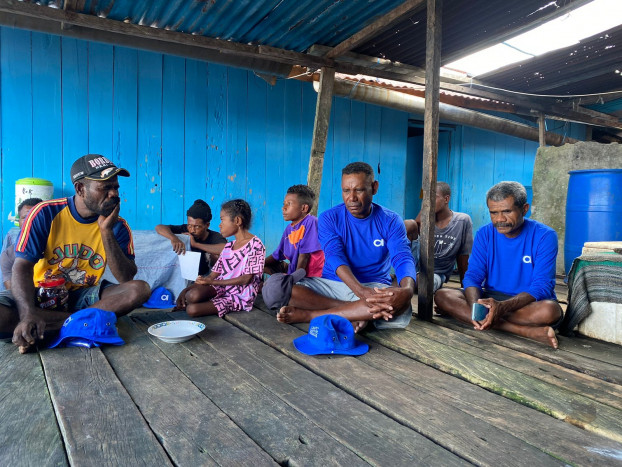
[464,24]
[591,65]
[288,24]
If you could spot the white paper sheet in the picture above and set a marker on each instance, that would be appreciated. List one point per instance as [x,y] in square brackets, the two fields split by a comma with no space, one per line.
[189,264]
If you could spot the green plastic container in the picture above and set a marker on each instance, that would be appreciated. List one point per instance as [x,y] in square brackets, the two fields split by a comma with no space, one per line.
[26,188]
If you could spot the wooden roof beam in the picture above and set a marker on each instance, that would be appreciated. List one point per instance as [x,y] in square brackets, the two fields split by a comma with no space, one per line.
[376,27]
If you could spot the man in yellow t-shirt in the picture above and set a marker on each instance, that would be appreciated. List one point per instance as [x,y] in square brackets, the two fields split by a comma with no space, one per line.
[75,239]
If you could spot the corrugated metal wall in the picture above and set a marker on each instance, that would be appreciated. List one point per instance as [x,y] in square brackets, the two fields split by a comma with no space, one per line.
[185,129]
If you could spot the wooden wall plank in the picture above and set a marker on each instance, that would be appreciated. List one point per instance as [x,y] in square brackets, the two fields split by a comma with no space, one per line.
[455,169]
[478,174]
[100,86]
[149,175]
[292,128]
[173,148]
[259,175]
[358,137]
[373,137]
[17,124]
[341,157]
[413,176]
[98,419]
[74,94]
[444,146]
[393,141]
[47,141]
[275,162]
[216,161]
[125,127]
[29,434]
[237,121]
[307,120]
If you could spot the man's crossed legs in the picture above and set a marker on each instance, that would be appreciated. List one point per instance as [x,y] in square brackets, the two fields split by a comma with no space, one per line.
[537,320]
[315,296]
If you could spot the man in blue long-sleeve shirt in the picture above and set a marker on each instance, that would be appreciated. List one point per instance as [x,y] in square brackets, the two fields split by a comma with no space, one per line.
[511,271]
[361,241]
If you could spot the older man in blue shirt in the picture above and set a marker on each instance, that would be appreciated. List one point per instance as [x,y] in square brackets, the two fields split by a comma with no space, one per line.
[511,271]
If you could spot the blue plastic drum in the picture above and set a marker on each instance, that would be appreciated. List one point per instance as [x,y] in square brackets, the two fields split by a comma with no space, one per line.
[593,210]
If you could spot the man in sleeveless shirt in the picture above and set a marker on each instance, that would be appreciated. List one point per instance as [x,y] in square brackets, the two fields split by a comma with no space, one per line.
[453,238]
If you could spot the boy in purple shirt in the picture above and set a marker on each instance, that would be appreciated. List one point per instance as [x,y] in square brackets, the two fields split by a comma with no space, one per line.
[299,243]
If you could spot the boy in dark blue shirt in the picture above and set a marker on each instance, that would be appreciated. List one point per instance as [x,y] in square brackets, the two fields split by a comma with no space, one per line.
[511,271]
[361,241]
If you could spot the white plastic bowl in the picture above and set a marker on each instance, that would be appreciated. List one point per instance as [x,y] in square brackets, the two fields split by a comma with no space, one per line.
[176,331]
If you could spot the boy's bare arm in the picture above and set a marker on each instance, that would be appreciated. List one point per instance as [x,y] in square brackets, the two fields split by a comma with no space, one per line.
[303,260]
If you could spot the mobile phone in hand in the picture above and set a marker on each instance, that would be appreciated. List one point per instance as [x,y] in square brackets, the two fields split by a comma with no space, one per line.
[479,312]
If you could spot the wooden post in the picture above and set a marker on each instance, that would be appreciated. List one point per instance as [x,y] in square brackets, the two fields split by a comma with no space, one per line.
[430,157]
[541,130]
[320,132]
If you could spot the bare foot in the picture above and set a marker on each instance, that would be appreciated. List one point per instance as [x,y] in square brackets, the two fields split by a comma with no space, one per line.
[24,348]
[290,314]
[546,335]
[359,325]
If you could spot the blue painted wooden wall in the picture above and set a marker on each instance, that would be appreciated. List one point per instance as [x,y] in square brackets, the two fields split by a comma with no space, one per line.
[185,129]
[472,160]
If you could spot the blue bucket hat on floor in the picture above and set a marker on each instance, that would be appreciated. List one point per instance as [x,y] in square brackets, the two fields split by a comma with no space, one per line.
[330,334]
[160,298]
[89,327]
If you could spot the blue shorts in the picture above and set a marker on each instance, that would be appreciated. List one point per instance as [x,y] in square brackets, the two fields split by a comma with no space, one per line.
[80,298]
[340,291]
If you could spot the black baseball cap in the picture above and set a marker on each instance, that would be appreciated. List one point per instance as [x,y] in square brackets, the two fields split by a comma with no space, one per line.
[95,167]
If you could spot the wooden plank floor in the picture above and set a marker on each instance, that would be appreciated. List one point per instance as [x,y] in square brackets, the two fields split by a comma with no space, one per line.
[240,394]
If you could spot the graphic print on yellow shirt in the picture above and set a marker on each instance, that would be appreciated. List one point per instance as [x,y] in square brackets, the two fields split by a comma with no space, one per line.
[63,244]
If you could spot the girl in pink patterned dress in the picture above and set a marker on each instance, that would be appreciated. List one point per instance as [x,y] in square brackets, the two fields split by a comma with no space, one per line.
[234,281]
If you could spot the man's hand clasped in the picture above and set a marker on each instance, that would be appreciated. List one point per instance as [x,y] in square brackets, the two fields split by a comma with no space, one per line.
[384,303]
